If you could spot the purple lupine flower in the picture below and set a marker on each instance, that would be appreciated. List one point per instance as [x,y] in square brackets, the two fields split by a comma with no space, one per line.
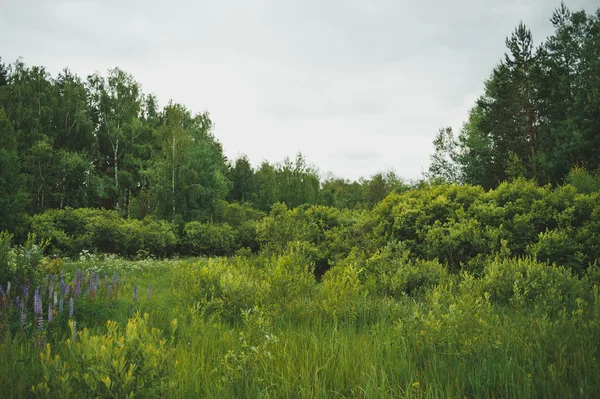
[37,302]
[115,279]
[60,305]
[135,294]
[77,288]
[63,286]
[55,298]
[41,323]
[1,292]
[50,312]
[149,292]
[93,285]
[67,290]
[17,300]
[109,289]
[71,307]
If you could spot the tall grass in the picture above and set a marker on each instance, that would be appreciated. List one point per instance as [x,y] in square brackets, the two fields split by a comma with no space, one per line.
[244,331]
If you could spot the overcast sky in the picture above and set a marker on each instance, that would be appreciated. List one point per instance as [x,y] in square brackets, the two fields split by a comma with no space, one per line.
[357,86]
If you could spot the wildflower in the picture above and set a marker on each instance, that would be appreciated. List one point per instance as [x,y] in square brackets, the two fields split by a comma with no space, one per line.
[149,292]
[63,286]
[60,305]
[55,298]
[50,311]
[77,287]
[71,307]
[37,302]
[135,293]
[416,384]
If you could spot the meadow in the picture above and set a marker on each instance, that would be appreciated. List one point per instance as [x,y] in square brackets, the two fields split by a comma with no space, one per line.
[252,326]
[411,299]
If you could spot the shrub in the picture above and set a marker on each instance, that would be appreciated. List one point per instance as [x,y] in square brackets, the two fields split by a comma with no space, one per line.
[526,281]
[341,291]
[392,272]
[557,246]
[135,360]
[21,264]
[209,239]
[291,276]
[71,231]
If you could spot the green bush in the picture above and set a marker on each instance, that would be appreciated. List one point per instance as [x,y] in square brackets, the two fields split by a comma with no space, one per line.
[218,287]
[122,363]
[209,239]
[559,247]
[70,231]
[583,181]
[21,264]
[526,281]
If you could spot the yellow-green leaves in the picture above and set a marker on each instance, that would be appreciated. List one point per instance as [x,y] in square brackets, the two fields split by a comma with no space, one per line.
[123,361]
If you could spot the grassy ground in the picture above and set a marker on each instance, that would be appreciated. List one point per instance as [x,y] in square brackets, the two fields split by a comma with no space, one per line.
[245,328]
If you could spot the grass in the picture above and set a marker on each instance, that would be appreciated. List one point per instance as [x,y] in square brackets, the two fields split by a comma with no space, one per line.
[447,340]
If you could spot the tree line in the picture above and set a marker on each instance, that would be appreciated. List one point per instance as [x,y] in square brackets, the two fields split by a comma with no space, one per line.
[100,142]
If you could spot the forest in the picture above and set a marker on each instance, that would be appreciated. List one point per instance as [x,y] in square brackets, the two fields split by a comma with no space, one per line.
[136,260]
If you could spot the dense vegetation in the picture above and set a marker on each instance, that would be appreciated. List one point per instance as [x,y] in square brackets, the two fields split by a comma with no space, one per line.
[137,260]
[440,291]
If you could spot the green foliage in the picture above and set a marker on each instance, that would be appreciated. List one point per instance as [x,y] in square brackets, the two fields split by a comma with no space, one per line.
[341,291]
[392,272]
[21,264]
[209,239]
[527,281]
[70,231]
[123,362]
[583,181]
[13,198]
[558,246]
[537,116]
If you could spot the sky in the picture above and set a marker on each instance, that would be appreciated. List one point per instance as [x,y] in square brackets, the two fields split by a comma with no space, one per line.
[358,87]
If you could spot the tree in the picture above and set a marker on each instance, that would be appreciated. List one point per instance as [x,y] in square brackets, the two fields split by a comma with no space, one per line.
[521,64]
[173,141]
[243,180]
[3,74]
[188,172]
[443,160]
[13,198]
[115,105]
